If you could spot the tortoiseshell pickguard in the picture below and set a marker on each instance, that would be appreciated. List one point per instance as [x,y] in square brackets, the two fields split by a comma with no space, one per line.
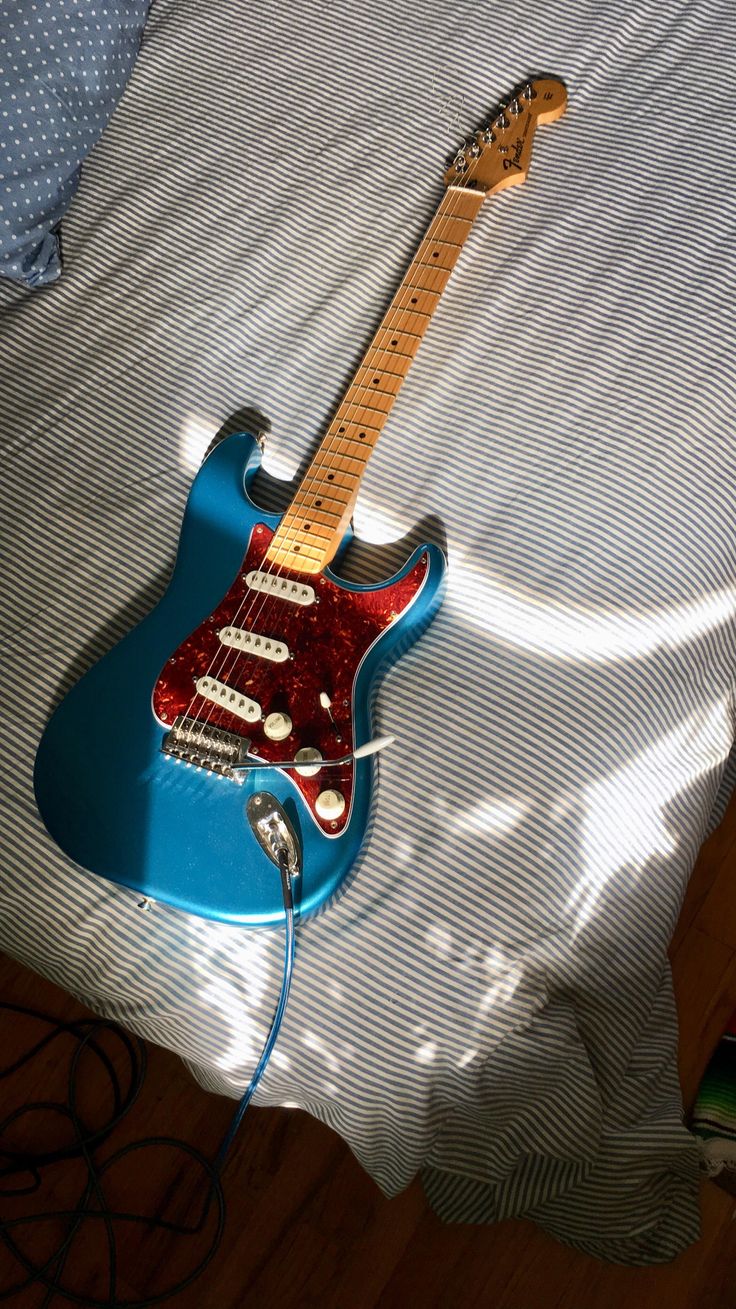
[327,641]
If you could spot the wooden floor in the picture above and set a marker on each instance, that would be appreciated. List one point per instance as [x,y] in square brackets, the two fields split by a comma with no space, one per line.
[306,1227]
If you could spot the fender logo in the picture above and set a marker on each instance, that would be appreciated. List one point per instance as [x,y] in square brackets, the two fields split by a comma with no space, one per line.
[515,162]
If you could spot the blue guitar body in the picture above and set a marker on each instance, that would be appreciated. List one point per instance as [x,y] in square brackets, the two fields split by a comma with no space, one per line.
[121,806]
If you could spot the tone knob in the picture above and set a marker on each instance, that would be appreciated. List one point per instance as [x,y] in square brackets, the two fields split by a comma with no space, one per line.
[277,726]
[311,758]
[330,804]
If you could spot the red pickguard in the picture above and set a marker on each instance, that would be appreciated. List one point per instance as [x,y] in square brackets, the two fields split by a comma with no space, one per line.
[327,641]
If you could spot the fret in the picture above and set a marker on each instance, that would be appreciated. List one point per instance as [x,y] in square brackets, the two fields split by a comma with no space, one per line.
[359,453]
[293,545]
[335,433]
[426,277]
[390,381]
[462,203]
[401,337]
[341,479]
[371,387]
[388,352]
[312,515]
[360,445]
[302,498]
[350,465]
[438,238]
[358,408]
[346,448]
[417,301]
[304,523]
[341,443]
[328,482]
[438,254]
[409,341]
[380,401]
[409,318]
[453,230]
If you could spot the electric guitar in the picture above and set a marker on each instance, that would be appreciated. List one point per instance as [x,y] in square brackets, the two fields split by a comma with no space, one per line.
[258,666]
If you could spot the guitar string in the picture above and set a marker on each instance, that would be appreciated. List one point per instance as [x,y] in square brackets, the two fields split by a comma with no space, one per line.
[334,447]
[252,616]
[309,480]
[522,98]
[436,226]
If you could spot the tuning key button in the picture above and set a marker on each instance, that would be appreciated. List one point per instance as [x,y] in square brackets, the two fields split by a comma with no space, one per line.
[277,726]
[330,804]
[310,758]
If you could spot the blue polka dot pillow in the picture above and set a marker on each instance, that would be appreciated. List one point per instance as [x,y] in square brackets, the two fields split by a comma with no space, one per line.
[63,68]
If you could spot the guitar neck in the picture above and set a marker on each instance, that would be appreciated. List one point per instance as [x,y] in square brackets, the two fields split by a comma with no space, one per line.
[315,522]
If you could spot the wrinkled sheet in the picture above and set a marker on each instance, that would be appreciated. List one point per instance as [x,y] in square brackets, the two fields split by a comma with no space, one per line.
[489,1004]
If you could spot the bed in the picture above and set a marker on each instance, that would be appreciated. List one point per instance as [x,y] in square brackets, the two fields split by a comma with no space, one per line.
[489,1005]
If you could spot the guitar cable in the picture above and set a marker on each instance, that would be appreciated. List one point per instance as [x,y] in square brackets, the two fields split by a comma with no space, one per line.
[22,1172]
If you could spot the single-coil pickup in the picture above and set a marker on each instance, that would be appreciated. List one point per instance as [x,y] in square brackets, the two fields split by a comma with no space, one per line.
[261,646]
[282,587]
[228,698]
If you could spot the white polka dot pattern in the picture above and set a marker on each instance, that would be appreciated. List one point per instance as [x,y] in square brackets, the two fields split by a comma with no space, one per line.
[63,68]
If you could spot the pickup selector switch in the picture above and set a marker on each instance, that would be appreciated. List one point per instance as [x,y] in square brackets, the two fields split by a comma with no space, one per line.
[277,726]
[330,804]
[310,759]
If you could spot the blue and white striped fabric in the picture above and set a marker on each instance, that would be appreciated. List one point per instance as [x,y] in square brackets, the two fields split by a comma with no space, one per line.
[490,1002]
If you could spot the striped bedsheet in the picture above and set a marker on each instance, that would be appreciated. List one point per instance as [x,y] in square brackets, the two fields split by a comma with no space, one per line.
[490,1003]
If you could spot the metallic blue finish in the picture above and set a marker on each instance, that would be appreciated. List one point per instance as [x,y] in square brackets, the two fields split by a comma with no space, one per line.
[119,807]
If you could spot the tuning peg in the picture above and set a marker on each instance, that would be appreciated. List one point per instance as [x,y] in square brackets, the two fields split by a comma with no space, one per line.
[528,93]
[474,149]
[460,162]
[501,122]
[488,135]
[514,107]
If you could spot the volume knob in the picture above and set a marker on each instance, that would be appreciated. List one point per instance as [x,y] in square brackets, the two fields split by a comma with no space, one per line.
[277,726]
[330,804]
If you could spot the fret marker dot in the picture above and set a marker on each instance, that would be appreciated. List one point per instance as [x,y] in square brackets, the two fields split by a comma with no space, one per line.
[361,434]
[395,342]
[435,254]
[376,379]
[413,300]
[341,429]
[296,547]
[330,477]
[317,504]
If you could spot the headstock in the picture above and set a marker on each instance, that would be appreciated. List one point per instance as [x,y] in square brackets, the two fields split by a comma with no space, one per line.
[498,155]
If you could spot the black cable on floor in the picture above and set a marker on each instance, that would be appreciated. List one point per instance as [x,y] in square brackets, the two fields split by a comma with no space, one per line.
[92,1205]
[21,1172]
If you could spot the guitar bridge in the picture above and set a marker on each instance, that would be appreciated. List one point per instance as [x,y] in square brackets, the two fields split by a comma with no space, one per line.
[206,747]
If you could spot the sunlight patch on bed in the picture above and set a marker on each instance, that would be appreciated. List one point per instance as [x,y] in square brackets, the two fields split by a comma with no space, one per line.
[234,981]
[439,940]
[567,632]
[196,435]
[311,1041]
[624,824]
[495,815]
[375,524]
[506,973]
[467,1058]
